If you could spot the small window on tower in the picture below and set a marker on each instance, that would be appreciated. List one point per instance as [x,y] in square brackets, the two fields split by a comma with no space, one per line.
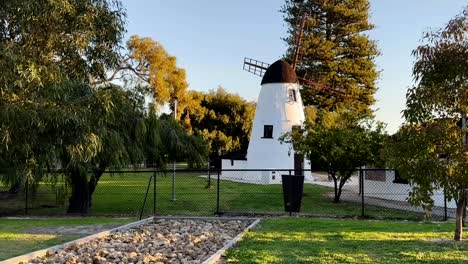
[267,131]
[292,95]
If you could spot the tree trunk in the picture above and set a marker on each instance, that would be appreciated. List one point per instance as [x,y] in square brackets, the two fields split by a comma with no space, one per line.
[336,199]
[461,204]
[97,173]
[464,214]
[79,199]
[15,188]
[339,188]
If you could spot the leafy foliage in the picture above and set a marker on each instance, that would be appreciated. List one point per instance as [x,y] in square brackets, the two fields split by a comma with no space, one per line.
[149,64]
[429,150]
[222,119]
[49,52]
[339,143]
[430,156]
[335,52]
[57,107]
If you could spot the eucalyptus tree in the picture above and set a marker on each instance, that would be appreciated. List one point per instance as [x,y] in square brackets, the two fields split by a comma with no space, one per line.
[147,63]
[430,149]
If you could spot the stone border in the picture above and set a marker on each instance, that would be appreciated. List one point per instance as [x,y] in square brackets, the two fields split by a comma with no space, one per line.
[216,256]
[211,260]
[204,218]
[42,252]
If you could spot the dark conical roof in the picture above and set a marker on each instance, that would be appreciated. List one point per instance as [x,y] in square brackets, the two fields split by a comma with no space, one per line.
[279,72]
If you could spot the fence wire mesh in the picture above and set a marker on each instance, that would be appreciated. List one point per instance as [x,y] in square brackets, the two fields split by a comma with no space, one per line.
[373,193]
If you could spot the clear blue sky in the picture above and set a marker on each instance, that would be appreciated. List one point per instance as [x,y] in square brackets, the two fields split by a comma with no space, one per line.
[210,38]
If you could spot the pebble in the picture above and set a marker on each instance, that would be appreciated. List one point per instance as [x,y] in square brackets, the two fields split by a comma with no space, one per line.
[164,241]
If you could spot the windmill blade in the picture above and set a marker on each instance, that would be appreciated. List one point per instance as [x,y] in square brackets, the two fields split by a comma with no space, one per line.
[335,92]
[319,86]
[299,36]
[256,67]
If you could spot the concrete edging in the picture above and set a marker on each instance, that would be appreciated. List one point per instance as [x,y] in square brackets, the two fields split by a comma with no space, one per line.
[41,252]
[216,256]
[211,260]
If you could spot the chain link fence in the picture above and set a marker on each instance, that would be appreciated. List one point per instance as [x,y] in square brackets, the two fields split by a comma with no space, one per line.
[369,193]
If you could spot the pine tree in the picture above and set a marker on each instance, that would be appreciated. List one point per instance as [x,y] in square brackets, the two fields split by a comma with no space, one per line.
[335,52]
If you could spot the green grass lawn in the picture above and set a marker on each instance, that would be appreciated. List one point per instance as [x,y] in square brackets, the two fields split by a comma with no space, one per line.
[16,240]
[124,193]
[305,240]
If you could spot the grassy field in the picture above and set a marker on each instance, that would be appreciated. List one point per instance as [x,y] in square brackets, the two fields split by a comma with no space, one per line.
[15,239]
[302,240]
[124,193]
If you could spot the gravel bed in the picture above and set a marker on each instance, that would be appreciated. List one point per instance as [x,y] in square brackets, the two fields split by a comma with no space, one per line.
[164,241]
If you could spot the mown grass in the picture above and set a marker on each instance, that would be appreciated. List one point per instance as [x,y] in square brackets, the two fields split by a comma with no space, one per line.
[305,240]
[16,240]
[123,194]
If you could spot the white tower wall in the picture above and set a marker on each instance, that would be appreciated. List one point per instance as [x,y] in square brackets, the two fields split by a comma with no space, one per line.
[275,108]
[279,109]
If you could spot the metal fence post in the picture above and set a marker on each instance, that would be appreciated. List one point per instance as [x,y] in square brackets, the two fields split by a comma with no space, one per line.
[154,193]
[146,197]
[26,205]
[174,182]
[445,206]
[361,176]
[209,175]
[217,194]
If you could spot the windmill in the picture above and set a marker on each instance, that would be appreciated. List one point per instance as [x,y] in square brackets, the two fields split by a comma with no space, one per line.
[279,110]
[283,74]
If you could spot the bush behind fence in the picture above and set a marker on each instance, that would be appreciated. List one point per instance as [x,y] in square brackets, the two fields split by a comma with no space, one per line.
[373,193]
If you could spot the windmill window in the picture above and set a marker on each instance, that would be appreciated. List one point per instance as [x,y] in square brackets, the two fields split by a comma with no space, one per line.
[268,131]
[292,95]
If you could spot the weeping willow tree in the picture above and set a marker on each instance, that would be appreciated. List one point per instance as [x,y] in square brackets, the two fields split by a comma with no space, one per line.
[58,108]
[48,55]
[124,134]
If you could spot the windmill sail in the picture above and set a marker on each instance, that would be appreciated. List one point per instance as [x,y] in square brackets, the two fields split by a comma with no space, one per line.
[256,67]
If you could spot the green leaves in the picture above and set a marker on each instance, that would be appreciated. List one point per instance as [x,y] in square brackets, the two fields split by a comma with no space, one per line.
[221,119]
[339,143]
[335,52]
[429,149]
[441,74]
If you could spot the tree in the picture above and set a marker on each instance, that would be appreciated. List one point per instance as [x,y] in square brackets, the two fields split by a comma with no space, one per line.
[50,51]
[130,135]
[57,107]
[339,143]
[430,150]
[223,120]
[147,62]
[335,52]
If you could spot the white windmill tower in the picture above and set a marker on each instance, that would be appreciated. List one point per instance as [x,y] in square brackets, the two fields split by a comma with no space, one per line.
[279,110]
